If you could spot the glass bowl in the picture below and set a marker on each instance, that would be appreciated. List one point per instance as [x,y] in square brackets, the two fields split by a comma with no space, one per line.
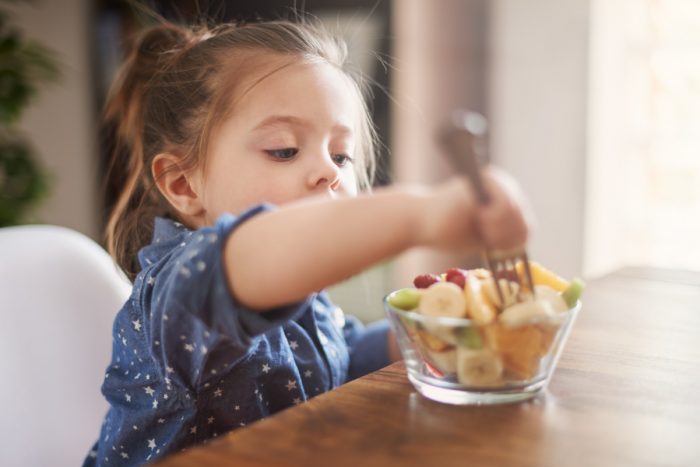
[456,361]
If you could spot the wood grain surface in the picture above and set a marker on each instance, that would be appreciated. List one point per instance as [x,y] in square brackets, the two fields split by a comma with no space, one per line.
[626,392]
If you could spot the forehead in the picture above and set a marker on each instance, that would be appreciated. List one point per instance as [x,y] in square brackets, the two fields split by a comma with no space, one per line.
[316,92]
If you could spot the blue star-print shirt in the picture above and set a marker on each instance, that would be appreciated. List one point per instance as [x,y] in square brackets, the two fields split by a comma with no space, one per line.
[190,363]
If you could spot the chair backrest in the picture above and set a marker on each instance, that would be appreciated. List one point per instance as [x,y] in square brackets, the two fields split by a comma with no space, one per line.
[59,293]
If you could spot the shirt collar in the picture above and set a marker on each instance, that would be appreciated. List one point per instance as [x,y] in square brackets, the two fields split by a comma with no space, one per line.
[167,233]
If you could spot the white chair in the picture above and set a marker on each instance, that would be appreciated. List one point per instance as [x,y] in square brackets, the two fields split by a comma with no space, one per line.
[59,292]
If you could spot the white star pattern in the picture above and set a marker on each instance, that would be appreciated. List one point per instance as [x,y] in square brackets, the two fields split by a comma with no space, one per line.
[322,337]
[124,455]
[193,264]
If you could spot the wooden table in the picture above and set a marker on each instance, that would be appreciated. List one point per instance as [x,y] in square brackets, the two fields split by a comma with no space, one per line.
[626,392]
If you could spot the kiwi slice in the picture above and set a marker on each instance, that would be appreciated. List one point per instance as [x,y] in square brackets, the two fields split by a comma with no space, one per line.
[573,292]
[405,299]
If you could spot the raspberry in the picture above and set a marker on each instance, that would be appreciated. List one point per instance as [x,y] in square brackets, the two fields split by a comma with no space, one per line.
[425,280]
[456,276]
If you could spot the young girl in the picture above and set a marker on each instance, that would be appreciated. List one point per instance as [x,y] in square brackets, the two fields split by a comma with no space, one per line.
[245,148]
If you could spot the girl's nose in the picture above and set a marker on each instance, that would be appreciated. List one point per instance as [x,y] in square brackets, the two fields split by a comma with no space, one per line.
[324,174]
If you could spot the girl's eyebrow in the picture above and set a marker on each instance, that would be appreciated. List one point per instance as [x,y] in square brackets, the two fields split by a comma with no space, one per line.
[290,120]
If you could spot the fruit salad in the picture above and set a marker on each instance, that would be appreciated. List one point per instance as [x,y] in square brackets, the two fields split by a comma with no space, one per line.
[466,332]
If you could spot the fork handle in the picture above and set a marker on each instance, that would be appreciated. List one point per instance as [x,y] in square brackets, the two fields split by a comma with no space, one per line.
[459,139]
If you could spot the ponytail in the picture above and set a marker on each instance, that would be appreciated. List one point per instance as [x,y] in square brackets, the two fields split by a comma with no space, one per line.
[130,225]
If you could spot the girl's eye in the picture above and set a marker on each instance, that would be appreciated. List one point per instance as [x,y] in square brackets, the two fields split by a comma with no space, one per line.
[341,159]
[283,154]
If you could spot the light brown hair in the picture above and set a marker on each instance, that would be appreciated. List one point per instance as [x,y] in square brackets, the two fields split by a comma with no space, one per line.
[173,89]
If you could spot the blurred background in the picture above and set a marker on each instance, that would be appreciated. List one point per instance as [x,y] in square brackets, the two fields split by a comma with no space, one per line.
[594,106]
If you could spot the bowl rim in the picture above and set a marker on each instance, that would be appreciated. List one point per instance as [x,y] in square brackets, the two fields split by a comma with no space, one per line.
[447,320]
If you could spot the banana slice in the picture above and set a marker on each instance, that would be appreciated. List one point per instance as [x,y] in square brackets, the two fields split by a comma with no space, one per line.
[444,332]
[508,289]
[477,309]
[526,312]
[481,273]
[443,299]
[431,341]
[478,367]
[550,295]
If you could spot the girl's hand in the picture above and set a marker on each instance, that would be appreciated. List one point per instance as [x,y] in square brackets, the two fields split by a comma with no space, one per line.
[455,220]
[503,223]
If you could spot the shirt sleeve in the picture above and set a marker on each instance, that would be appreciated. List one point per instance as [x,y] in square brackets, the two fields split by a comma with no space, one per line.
[202,327]
[367,345]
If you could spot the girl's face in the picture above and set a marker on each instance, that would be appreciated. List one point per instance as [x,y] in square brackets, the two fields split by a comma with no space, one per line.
[290,135]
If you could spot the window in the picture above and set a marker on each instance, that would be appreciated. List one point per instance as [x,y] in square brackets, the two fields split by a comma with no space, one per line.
[643,169]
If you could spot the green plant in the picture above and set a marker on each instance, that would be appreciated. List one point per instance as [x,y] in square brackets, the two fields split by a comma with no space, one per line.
[24,65]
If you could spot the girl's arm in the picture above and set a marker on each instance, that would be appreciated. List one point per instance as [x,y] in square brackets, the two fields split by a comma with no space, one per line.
[282,256]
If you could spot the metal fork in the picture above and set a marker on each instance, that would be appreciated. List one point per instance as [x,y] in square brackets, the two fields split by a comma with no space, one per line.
[464,141]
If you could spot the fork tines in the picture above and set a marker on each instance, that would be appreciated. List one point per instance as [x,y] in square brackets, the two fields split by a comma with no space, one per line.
[503,265]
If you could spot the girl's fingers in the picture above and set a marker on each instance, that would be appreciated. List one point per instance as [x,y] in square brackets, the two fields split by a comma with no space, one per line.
[505,221]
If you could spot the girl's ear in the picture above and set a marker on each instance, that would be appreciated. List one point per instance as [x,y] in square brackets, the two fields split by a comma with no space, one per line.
[178,186]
